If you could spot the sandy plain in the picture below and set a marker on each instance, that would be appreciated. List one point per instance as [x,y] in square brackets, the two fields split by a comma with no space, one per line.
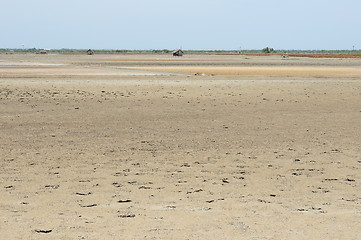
[196,147]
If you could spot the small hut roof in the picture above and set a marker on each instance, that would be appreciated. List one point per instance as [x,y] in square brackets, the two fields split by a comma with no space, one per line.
[177,50]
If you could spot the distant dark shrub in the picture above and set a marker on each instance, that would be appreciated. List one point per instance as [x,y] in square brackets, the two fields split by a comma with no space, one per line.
[267,50]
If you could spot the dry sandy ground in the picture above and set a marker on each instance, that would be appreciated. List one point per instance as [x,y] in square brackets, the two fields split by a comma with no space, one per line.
[125,147]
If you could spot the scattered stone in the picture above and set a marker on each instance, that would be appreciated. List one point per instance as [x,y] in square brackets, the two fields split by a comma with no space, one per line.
[200,74]
[90,205]
[81,181]
[196,191]
[330,179]
[83,194]
[348,200]
[115,184]
[314,209]
[52,186]
[225,180]
[127,216]
[205,209]
[43,231]
[185,165]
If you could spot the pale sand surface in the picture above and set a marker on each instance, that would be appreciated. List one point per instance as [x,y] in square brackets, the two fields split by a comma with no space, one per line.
[275,71]
[98,148]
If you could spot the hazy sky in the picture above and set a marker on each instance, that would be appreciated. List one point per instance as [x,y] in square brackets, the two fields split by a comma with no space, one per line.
[190,24]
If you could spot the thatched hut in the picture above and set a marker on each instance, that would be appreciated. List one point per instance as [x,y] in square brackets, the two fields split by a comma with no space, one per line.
[178,53]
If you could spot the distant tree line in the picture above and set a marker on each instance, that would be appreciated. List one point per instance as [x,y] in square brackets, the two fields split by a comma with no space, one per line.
[267,50]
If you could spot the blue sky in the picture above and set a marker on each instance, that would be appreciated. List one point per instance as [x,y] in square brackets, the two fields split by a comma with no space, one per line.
[190,24]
